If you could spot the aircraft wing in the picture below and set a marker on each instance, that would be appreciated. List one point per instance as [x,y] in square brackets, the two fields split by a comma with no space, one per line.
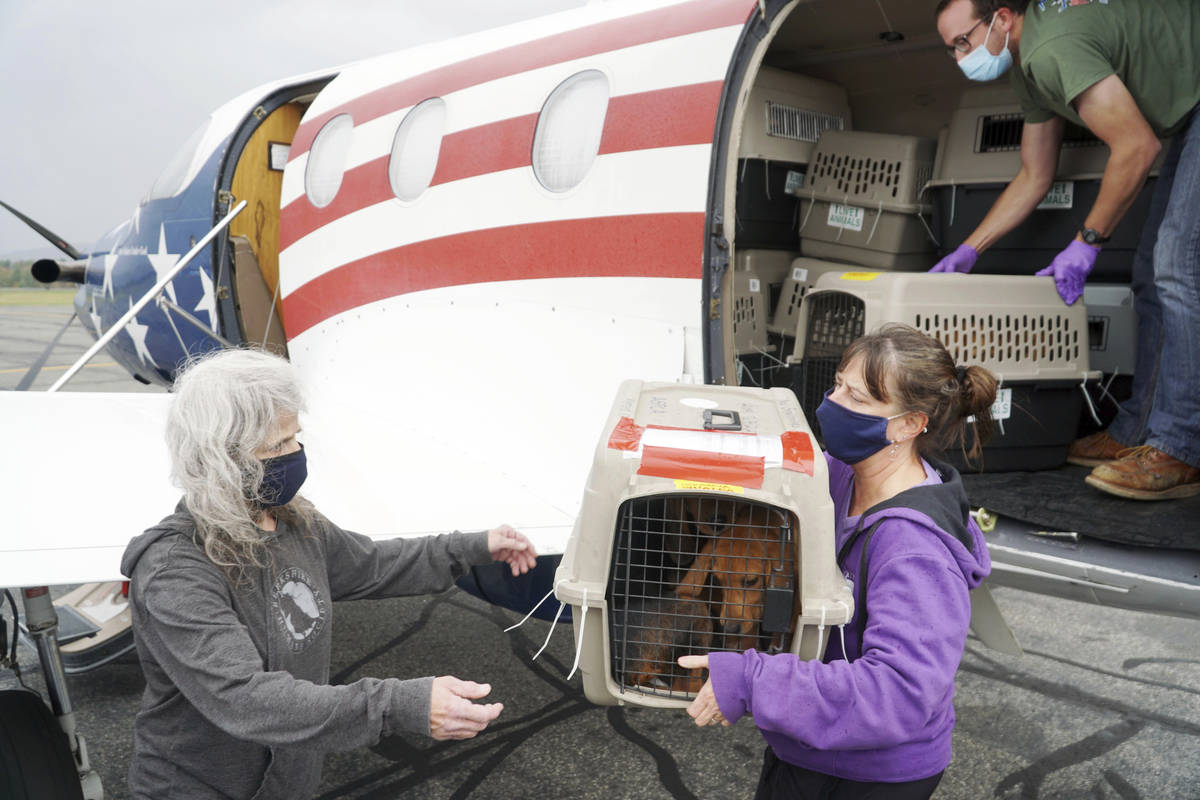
[84,472]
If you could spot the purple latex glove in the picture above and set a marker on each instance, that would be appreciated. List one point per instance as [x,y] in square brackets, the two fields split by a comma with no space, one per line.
[961,260]
[1070,269]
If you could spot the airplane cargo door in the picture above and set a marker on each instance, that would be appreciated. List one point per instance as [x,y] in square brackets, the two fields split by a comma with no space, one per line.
[254,234]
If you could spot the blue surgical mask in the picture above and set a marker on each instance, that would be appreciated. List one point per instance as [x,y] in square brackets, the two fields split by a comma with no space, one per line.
[282,478]
[851,436]
[981,65]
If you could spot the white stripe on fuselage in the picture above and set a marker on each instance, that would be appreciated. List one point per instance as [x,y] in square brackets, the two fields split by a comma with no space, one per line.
[664,64]
[667,180]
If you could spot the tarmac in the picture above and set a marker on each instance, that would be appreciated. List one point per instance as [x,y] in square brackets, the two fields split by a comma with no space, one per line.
[1104,703]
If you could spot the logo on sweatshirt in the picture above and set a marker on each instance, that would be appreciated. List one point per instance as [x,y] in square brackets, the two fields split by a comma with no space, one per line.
[299,607]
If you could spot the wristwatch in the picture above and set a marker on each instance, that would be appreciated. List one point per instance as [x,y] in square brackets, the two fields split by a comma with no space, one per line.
[1092,236]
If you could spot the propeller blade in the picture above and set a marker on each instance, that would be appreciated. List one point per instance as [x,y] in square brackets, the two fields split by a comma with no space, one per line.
[36,367]
[47,234]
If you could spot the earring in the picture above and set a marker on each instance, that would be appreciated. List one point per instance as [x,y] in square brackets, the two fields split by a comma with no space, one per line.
[895,451]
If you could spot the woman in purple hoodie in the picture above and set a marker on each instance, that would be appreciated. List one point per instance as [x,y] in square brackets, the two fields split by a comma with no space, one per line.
[876,719]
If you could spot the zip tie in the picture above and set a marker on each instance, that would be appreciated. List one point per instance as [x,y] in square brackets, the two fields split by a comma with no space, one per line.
[953,198]
[842,629]
[553,622]
[553,589]
[1088,398]
[767,177]
[582,626]
[999,386]
[1104,387]
[821,633]
[878,216]
[812,203]
[928,229]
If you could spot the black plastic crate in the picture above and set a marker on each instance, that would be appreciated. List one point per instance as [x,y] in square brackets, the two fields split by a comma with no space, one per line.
[1042,423]
[958,210]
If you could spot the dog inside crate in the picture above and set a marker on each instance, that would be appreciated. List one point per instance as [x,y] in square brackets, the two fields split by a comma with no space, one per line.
[691,574]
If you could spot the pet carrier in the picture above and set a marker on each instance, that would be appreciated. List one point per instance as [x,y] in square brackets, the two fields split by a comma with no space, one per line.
[862,200]
[706,525]
[980,153]
[1017,327]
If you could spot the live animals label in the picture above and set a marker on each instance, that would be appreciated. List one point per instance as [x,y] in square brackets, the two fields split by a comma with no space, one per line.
[1060,197]
[794,182]
[1002,408]
[847,217]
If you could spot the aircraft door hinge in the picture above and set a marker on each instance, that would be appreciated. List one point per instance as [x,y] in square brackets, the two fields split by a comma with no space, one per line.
[222,293]
[225,198]
[259,113]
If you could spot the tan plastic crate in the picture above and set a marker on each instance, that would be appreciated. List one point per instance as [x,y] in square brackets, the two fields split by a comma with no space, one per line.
[802,276]
[786,114]
[863,200]
[749,313]
[668,503]
[1016,326]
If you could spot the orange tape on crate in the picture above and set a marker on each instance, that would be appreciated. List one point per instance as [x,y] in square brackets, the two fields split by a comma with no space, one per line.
[627,435]
[797,452]
[697,465]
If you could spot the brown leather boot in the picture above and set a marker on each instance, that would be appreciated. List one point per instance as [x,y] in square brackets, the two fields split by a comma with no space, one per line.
[1146,473]
[1094,450]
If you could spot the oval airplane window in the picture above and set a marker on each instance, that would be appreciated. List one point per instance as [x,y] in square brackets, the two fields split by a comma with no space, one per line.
[415,149]
[327,160]
[569,129]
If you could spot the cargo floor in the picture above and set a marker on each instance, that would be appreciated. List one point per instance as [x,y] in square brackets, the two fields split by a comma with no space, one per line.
[1059,500]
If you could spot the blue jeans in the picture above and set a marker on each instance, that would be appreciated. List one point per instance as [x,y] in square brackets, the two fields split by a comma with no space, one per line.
[1164,410]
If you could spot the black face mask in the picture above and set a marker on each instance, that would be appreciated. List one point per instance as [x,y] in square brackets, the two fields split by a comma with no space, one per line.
[282,478]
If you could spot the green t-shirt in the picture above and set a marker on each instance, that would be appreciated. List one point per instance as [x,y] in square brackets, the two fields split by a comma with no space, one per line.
[1153,46]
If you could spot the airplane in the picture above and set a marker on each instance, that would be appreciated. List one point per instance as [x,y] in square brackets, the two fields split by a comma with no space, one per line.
[465,247]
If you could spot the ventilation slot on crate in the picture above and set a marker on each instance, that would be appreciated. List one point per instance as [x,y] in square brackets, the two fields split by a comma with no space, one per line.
[1001,133]
[799,124]
[695,574]
[1005,339]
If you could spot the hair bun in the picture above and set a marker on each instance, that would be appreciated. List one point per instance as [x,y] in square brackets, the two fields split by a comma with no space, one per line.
[960,372]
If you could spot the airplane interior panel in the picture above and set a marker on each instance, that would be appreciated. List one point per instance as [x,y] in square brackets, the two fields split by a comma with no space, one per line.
[258,179]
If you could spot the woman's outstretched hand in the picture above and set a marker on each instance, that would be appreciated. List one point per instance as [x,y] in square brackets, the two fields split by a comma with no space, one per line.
[513,548]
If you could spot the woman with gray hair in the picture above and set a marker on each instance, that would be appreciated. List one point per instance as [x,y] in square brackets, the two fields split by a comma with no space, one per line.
[232,598]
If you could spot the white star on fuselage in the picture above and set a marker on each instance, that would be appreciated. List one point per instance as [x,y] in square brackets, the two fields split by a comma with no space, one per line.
[137,332]
[208,299]
[110,260]
[162,261]
[96,321]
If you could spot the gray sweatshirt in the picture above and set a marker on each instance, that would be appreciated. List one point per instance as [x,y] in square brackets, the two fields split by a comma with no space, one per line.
[237,702]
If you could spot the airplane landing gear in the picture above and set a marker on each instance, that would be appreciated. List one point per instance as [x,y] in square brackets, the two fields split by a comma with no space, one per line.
[41,756]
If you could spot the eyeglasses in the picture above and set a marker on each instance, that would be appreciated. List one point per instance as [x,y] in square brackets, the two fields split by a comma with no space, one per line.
[963,43]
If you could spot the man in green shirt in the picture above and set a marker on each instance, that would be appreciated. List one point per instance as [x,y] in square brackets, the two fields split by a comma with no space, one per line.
[1129,70]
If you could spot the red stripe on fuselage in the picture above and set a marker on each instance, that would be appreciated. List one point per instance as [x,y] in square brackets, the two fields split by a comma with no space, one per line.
[682,115]
[651,26]
[642,245]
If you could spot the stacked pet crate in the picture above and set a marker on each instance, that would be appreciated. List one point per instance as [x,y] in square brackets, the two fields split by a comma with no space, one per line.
[980,153]
[863,200]
[706,525]
[1017,327]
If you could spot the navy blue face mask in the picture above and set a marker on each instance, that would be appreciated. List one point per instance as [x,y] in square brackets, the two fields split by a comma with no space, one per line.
[282,478]
[851,436]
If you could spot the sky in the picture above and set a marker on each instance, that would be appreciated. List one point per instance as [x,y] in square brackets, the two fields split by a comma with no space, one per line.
[98,96]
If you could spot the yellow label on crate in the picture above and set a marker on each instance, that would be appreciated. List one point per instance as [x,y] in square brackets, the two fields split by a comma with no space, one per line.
[710,487]
[860,276]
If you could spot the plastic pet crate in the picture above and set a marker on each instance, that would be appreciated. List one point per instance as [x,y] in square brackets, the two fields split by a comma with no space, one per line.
[706,525]
[862,200]
[1015,326]
[980,153]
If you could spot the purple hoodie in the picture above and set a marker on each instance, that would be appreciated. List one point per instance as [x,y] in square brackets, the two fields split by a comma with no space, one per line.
[888,714]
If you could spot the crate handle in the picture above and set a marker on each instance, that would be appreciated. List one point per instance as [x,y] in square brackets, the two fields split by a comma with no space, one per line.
[734,424]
